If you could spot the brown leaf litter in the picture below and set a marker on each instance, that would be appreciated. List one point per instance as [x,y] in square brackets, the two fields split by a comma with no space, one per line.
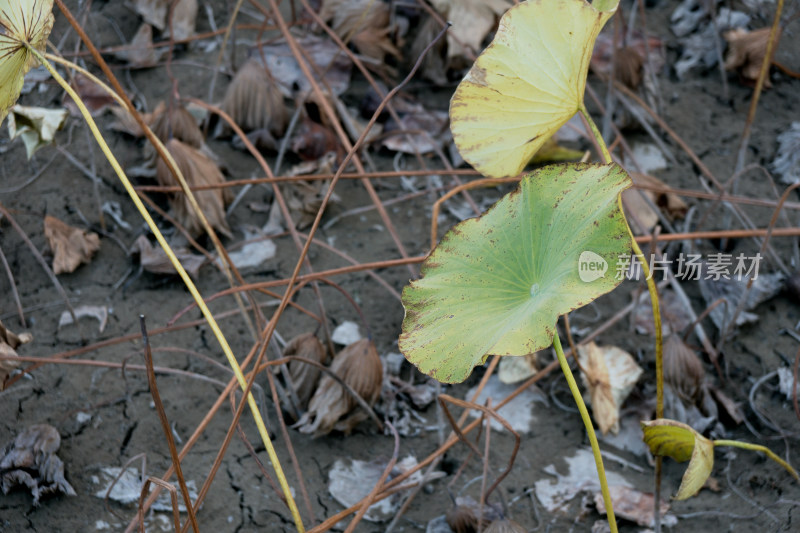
[94,97]
[197,169]
[610,374]
[9,342]
[332,407]
[364,23]
[746,52]
[140,52]
[155,12]
[30,460]
[71,246]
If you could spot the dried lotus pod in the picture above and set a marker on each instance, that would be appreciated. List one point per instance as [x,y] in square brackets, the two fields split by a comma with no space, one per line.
[197,169]
[462,519]
[683,370]
[303,375]
[175,122]
[254,101]
[628,67]
[332,407]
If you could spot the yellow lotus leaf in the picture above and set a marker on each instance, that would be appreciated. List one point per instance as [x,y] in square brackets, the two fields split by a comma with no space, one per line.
[527,83]
[682,443]
[21,22]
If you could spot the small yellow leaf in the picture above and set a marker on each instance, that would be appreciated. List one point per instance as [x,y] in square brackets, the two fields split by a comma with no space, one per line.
[673,439]
[36,125]
[21,22]
[527,83]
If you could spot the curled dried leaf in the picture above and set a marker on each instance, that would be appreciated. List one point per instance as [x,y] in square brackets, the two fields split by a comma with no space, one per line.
[304,376]
[36,125]
[635,506]
[71,246]
[747,50]
[254,101]
[365,23]
[94,97]
[197,169]
[140,52]
[153,258]
[683,370]
[332,407]
[175,122]
[30,460]
[9,342]
[472,21]
[610,374]
[673,439]
[516,369]
[313,140]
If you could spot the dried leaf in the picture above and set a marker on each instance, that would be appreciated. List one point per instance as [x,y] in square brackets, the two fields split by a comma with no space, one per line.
[462,517]
[635,506]
[332,407]
[304,376]
[346,333]
[125,486]
[155,13]
[98,312]
[364,23]
[472,21]
[36,125]
[787,159]
[683,370]
[700,48]
[610,374]
[140,52]
[581,475]
[516,369]
[94,97]
[682,443]
[9,342]
[153,258]
[435,64]
[175,122]
[197,169]
[253,100]
[184,19]
[350,481]
[257,250]
[30,460]
[420,130]
[630,60]
[747,50]
[726,405]
[333,66]
[764,287]
[519,412]
[71,246]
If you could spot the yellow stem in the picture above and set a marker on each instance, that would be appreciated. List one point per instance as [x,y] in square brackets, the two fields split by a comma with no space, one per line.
[651,284]
[262,430]
[758,448]
[587,422]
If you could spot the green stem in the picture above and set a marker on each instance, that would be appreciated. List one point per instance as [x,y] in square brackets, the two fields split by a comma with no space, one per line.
[758,448]
[184,276]
[651,288]
[587,422]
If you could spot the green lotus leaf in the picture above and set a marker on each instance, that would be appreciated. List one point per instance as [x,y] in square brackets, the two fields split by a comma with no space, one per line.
[497,284]
[527,83]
